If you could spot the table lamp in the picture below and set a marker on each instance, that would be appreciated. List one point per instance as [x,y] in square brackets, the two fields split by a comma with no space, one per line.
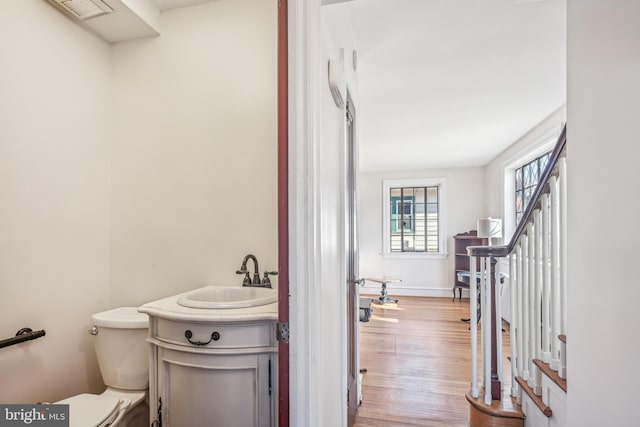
[490,228]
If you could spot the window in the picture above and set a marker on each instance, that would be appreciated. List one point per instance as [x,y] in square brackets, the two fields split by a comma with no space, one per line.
[413,212]
[513,184]
[526,181]
[402,220]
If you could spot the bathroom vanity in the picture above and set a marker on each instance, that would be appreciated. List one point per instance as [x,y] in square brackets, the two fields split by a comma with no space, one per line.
[212,366]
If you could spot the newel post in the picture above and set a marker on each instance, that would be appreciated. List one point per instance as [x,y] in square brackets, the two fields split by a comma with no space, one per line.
[496,385]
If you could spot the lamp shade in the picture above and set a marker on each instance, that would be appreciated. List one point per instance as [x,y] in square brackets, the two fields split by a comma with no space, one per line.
[490,228]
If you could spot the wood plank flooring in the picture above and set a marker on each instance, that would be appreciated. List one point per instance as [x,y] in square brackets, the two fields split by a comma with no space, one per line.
[418,364]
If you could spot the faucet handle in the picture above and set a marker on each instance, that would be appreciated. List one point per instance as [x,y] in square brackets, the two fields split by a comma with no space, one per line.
[247,280]
[265,279]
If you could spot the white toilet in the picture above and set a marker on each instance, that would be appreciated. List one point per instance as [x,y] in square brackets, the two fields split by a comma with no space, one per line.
[123,357]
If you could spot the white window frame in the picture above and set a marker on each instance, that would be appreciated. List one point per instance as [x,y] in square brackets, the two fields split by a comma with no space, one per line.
[387,185]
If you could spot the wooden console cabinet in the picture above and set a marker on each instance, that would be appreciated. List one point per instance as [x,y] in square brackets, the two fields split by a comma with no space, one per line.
[461,241]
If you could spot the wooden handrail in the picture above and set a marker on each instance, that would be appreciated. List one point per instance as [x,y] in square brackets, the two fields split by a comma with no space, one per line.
[503,251]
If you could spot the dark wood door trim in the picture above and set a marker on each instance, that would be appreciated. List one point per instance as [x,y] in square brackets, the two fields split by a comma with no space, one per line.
[283,210]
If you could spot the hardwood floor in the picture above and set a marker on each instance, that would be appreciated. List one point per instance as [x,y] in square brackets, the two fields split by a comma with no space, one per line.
[418,364]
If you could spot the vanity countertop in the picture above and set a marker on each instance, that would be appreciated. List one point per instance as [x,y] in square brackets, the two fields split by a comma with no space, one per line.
[168,308]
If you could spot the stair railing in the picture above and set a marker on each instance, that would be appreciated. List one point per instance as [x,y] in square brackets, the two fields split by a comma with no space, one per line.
[537,259]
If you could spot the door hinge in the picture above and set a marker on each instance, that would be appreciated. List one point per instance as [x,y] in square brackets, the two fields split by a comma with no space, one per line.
[269,377]
[282,332]
[158,422]
[349,116]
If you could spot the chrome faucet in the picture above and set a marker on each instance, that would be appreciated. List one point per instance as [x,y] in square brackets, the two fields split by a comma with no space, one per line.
[247,281]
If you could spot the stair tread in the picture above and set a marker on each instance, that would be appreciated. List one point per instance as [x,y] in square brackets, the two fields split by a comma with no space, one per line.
[553,375]
[562,338]
[536,399]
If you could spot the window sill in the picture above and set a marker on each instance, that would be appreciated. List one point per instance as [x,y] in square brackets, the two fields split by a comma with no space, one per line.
[415,255]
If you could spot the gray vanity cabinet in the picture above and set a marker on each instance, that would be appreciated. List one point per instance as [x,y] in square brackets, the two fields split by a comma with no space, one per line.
[213,374]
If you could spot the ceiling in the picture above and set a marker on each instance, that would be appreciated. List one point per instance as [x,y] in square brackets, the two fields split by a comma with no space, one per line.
[451,83]
[163,5]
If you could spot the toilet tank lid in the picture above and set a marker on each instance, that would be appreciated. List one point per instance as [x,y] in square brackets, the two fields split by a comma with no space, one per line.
[122,318]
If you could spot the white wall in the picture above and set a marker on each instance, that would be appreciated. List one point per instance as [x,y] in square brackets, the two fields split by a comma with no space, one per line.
[129,172]
[422,277]
[194,152]
[55,115]
[602,144]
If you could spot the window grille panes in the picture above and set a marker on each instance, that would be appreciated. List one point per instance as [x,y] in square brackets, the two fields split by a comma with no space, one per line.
[526,181]
[414,225]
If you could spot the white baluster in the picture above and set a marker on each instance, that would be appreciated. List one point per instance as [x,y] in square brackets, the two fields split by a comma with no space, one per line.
[555,273]
[483,338]
[520,329]
[563,359]
[531,260]
[514,322]
[546,281]
[498,314]
[555,276]
[525,307]
[473,323]
[562,162]
[537,305]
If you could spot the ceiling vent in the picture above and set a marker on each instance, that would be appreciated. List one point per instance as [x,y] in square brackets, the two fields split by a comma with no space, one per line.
[114,20]
[84,9]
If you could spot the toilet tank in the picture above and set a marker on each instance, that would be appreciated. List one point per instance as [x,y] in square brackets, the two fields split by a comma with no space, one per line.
[121,347]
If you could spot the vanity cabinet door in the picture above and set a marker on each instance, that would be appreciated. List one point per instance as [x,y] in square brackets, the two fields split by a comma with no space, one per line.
[216,390]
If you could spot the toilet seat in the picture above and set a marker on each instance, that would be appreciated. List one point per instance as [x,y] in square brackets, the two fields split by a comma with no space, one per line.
[92,410]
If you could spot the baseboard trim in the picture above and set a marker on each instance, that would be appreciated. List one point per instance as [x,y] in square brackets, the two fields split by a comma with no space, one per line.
[412,291]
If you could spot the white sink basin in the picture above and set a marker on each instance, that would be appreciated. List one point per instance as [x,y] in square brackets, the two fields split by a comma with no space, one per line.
[228,297]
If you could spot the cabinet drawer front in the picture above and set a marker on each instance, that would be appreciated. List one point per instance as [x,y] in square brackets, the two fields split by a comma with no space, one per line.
[216,335]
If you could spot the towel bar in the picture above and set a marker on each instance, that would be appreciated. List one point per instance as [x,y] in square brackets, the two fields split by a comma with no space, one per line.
[24,334]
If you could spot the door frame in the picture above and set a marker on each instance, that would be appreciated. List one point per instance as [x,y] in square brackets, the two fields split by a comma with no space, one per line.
[352,258]
[307,80]
[283,208]
[302,203]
